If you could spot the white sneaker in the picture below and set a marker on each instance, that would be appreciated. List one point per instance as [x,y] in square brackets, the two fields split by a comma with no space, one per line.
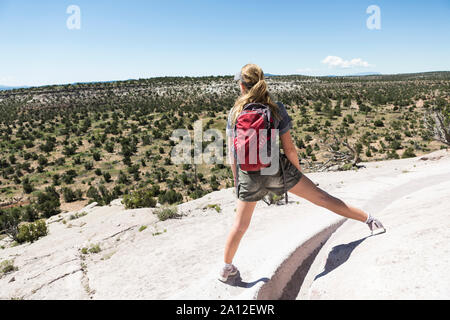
[227,271]
[375,224]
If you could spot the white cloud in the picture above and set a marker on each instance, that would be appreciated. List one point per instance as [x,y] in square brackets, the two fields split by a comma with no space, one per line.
[338,62]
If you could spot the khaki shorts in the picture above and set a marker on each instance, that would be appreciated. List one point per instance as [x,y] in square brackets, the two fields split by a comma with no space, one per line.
[252,186]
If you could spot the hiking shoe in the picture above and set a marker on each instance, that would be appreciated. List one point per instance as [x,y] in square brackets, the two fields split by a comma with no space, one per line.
[227,271]
[375,224]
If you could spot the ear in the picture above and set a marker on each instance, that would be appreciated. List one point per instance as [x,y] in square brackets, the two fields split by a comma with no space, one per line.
[243,88]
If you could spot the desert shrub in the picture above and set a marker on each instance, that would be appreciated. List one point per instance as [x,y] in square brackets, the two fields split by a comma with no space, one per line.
[272,199]
[213,206]
[350,119]
[214,183]
[55,179]
[70,150]
[94,195]
[42,161]
[409,153]
[170,197]
[72,196]
[107,177]
[29,214]
[88,165]
[300,144]
[167,162]
[167,213]
[68,176]
[107,196]
[392,155]
[139,199]
[31,232]
[27,186]
[6,267]
[156,190]
[117,191]
[146,140]
[93,249]
[49,145]
[396,145]
[102,195]
[346,167]
[123,178]
[109,147]
[60,161]
[78,215]
[96,156]
[379,123]
[48,202]
[9,221]
[364,108]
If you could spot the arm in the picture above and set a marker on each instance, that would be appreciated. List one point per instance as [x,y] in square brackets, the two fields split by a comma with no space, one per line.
[290,150]
[231,158]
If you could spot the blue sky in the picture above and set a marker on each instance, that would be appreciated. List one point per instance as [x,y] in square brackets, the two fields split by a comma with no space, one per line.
[140,38]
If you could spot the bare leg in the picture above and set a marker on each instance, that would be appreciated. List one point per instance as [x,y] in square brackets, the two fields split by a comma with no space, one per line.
[309,191]
[244,214]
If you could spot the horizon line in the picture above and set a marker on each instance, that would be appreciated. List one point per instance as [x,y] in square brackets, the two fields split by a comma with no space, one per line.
[4,87]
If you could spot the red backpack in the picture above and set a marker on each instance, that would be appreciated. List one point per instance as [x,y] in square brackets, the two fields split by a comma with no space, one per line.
[249,140]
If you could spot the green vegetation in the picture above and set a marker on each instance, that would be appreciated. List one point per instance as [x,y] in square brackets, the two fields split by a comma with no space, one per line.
[25,223]
[409,153]
[273,199]
[167,213]
[95,249]
[213,206]
[346,167]
[6,267]
[101,141]
[140,199]
[92,249]
[30,232]
[72,196]
[158,233]
[21,224]
[78,215]
[48,202]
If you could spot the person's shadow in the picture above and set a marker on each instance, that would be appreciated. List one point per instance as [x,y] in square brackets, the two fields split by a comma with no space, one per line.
[339,255]
[236,281]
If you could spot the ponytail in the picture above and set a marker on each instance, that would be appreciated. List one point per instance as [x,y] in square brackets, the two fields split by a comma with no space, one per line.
[253,79]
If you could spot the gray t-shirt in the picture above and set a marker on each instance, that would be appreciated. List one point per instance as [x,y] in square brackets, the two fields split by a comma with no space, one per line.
[284,125]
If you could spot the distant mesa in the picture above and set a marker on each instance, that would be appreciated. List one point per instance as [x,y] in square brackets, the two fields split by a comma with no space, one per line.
[365,74]
[362,74]
[3,88]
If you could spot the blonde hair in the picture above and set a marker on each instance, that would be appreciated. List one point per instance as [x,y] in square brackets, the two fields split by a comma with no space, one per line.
[252,77]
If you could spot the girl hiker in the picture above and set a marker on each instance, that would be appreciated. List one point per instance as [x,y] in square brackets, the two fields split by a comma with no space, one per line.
[255,110]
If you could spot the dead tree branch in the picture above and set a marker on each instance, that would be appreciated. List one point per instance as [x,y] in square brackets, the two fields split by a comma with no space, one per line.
[435,121]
